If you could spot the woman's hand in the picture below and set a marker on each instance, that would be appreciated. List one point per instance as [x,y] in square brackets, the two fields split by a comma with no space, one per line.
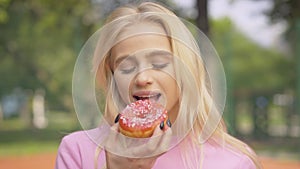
[136,156]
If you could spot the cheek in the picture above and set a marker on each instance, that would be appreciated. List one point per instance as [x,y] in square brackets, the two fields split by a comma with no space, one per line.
[171,90]
[123,88]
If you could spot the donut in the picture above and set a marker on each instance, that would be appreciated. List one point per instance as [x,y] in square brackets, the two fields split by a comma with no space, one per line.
[140,118]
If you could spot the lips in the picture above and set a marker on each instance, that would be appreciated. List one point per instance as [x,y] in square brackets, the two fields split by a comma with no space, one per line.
[143,95]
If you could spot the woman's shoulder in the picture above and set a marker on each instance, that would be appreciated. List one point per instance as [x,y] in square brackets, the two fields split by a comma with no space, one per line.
[78,139]
[75,137]
[76,150]
[220,156]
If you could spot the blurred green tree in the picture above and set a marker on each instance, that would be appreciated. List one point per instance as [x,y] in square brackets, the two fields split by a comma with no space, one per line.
[253,68]
[202,20]
[251,71]
[40,40]
[285,11]
[38,44]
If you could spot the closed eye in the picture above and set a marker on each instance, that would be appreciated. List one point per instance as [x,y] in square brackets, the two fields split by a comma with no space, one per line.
[127,70]
[160,66]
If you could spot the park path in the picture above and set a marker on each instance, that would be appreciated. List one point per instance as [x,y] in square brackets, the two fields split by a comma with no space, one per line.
[47,160]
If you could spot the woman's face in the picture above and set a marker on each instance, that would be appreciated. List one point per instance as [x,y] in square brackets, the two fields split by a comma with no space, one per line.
[143,68]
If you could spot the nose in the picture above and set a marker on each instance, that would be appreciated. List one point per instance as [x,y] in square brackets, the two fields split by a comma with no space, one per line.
[143,78]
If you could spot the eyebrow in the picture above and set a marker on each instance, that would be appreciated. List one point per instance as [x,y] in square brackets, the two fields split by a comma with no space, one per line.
[130,57]
[159,52]
[121,58]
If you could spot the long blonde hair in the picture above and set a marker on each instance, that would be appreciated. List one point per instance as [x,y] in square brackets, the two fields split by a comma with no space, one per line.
[194,68]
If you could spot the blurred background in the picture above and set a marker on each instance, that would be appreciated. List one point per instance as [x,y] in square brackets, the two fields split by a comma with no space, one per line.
[258,42]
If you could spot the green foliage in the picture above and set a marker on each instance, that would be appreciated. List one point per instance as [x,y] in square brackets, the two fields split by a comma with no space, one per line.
[286,11]
[17,139]
[40,40]
[39,44]
[3,13]
[249,67]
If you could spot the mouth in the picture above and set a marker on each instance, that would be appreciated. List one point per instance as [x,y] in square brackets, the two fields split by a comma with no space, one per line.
[152,96]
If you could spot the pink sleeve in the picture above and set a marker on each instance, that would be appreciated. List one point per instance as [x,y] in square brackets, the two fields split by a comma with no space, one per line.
[246,163]
[68,156]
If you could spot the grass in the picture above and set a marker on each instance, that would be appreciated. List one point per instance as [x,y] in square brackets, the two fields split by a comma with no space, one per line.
[25,148]
[276,147]
[283,154]
[17,138]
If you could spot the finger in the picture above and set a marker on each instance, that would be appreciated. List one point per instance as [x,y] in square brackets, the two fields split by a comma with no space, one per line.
[163,126]
[165,140]
[141,148]
[159,129]
[115,127]
[117,118]
[157,144]
[169,124]
[112,137]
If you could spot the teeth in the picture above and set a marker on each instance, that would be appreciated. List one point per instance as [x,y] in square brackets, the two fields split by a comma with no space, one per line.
[143,98]
[146,97]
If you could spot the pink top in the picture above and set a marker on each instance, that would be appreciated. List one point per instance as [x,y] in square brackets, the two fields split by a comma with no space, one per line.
[77,151]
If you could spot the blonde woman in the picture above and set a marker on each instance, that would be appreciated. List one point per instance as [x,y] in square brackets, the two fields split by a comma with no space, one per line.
[146,52]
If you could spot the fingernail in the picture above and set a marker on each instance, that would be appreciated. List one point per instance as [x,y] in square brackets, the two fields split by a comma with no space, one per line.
[169,123]
[161,125]
[117,118]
